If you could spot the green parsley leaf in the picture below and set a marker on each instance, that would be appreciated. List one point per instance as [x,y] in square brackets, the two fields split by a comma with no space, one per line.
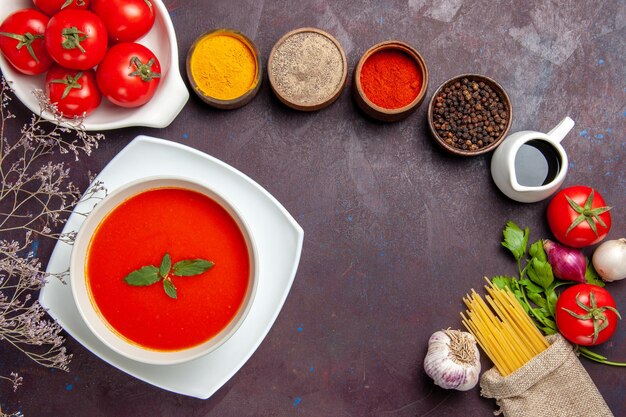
[541,314]
[537,299]
[502,281]
[536,251]
[191,267]
[591,276]
[146,275]
[515,239]
[550,323]
[169,288]
[540,272]
[530,286]
[551,297]
[548,331]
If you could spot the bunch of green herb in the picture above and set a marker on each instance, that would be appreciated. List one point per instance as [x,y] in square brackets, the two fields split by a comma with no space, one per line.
[535,286]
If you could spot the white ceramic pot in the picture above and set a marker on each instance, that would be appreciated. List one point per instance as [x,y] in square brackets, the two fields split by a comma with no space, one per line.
[507,177]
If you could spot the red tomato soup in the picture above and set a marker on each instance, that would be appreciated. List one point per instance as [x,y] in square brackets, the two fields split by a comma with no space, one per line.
[138,232]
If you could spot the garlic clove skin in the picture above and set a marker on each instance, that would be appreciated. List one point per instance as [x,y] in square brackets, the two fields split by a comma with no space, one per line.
[453,360]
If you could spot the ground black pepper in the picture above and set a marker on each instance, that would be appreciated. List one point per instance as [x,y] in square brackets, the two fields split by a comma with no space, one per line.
[469,114]
[307,68]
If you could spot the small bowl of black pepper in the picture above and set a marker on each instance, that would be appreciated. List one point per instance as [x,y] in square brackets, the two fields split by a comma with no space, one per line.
[469,115]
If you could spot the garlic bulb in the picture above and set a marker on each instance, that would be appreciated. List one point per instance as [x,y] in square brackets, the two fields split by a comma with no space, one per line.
[453,361]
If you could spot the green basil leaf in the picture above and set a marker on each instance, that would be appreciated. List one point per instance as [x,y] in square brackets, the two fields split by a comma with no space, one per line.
[191,267]
[515,239]
[166,265]
[540,272]
[143,276]
[169,288]
[536,251]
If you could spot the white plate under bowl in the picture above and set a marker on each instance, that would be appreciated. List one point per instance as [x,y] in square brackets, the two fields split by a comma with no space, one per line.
[82,293]
[278,240]
[160,111]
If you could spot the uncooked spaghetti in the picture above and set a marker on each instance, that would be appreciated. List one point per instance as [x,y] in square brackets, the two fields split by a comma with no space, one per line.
[503,329]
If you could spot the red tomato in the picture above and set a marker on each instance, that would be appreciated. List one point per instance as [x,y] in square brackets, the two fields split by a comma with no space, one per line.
[125,20]
[580,330]
[583,221]
[52,7]
[129,74]
[22,41]
[75,92]
[76,39]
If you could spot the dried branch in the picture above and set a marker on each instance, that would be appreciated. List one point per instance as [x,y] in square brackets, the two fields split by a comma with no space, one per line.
[36,198]
[16,414]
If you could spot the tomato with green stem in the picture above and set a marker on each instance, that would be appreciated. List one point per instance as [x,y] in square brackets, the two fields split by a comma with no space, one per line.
[129,74]
[579,217]
[74,92]
[22,41]
[76,39]
[52,7]
[586,314]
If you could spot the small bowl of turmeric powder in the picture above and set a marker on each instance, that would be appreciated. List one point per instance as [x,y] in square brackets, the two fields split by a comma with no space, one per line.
[224,68]
[390,81]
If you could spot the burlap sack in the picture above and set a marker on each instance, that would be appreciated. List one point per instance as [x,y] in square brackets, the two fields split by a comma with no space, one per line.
[553,384]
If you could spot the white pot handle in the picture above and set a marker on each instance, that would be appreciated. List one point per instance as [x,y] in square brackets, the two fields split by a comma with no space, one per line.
[561,130]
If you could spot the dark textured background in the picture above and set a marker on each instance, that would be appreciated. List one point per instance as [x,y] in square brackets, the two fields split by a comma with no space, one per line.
[396,231]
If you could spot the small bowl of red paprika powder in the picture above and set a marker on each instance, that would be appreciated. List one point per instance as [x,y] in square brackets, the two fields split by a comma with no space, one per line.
[390,81]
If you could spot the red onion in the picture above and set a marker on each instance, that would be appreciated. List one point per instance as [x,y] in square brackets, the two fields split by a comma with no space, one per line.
[567,263]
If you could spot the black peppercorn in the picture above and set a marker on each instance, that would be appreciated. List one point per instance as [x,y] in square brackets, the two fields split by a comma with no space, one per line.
[469,114]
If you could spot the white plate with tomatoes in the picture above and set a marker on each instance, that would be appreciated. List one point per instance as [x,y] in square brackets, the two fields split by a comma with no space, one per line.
[169,96]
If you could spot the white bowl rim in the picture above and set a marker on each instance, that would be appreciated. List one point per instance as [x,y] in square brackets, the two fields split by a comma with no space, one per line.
[99,327]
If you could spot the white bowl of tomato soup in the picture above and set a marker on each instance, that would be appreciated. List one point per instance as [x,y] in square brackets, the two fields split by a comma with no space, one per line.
[164,270]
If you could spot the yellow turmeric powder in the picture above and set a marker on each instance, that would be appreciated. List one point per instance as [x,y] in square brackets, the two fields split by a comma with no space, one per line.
[223,66]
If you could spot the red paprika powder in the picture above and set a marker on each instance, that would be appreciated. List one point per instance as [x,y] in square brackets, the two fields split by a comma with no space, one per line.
[390,78]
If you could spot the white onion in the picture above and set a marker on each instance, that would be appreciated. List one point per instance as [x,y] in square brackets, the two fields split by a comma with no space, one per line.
[609,260]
